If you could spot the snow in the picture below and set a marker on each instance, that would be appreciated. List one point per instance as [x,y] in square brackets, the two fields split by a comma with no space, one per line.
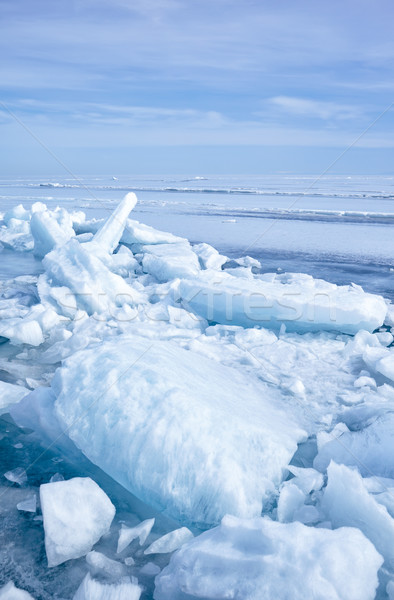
[128,534]
[168,413]
[10,592]
[77,513]
[10,394]
[92,589]
[170,542]
[347,502]
[261,559]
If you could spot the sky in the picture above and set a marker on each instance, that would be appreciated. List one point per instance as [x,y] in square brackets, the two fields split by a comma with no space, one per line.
[196,86]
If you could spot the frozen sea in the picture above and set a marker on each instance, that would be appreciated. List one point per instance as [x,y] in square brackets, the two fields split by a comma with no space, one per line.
[335,228]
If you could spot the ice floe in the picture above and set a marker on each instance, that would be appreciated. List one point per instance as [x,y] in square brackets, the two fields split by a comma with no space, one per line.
[260,558]
[76,514]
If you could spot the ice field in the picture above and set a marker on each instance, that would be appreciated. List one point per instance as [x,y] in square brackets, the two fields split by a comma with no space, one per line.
[196,388]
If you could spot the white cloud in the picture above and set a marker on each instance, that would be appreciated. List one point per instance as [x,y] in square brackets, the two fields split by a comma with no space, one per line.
[315,108]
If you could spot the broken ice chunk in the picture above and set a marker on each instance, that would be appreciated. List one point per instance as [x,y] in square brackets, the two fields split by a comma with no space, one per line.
[128,534]
[170,542]
[17,475]
[50,229]
[111,231]
[76,514]
[347,502]
[91,589]
[291,499]
[10,394]
[28,505]
[102,565]
[259,558]
[209,257]
[168,261]
[307,480]
[10,592]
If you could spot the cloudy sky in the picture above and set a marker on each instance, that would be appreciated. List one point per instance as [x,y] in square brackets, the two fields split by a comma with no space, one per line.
[215,86]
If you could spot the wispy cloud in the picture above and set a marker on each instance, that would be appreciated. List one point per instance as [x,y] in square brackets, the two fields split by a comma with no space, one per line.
[316,108]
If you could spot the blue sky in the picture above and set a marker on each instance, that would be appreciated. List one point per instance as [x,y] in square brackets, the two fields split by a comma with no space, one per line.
[155,86]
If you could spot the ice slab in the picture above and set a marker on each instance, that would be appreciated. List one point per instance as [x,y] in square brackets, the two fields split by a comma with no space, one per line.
[370,449]
[259,558]
[28,505]
[76,514]
[102,565]
[298,301]
[170,541]
[139,233]
[109,234]
[209,257]
[163,412]
[92,589]
[347,502]
[10,394]
[50,229]
[10,592]
[128,534]
[169,261]
[17,476]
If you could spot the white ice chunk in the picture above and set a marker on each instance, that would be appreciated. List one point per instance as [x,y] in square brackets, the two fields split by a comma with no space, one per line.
[92,589]
[128,534]
[92,286]
[22,331]
[300,302]
[28,505]
[163,412]
[50,229]
[169,261]
[260,558]
[10,394]
[371,449]
[17,475]
[76,514]
[170,541]
[10,592]
[307,480]
[108,236]
[209,257]
[102,565]
[291,498]
[17,212]
[139,233]
[347,503]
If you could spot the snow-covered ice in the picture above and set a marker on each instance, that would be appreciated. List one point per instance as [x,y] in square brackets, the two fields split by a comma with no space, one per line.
[76,514]
[260,559]
[163,413]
